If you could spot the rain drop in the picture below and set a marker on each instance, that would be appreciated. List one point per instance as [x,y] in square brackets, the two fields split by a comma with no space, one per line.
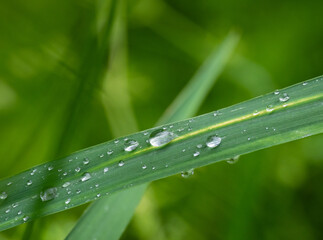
[109,152]
[213,141]
[66,184]
[269,108]
[276,92]
[85,176]
[144,167]
[25,219]
[105,170]
[3,195]
[130,145]
[121,163]
[284,98]
[50,168]
[86,161]
[161,137]
[67,201]
[29,182]
[48,194]
[188,173]
[199,145]
[196,154]
[78,169]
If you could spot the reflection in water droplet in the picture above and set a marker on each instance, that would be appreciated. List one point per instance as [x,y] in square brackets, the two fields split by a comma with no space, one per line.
[188,173]
[284,98]
[85,176]
[86,161]
[121,163]
[161,137]
[213,141]
[3,195]
[130,145]
[48,194]
[233,160]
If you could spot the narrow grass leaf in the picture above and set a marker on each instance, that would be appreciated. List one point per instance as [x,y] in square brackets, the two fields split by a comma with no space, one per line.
[284,115]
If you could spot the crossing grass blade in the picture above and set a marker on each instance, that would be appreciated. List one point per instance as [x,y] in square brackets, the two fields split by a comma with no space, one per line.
[285,115]
[184,106]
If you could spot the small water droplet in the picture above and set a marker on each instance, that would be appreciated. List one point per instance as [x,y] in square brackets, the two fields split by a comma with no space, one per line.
[284,98]
[86,161]
[19,212]
[67,201]
[7,211]
[195,154]
[96,185]
[101,155]
[3,195]
[9,183]
[109,152]
[33,172]
[78,169]
[29,182]
[105,170]
[305,83]
[215,113]
[160,137]
[130,145]
[98,195]
[144,167]
[14,205]
[213,141]
[233,160]
[153,168]
[188,173]
[64,173]
[50,168]
[25,219]
[48,194]
[66,184]
[255,113]
[269,108]
[85,176]
[199,145]
[249,138]
[276,92]
[78,191]
[121,163]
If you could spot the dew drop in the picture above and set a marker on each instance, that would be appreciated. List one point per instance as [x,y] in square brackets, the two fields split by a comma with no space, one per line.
[255,113]
[25,219]
[109,152]
[276,92]
[9,183]
[284,98]
[86,161]
[213,141]
[29,182]
[33,172]
[101,155]
[130,145]
[199,145]
[160,137]
[19,212]
[121,163]
[78,191]
[98,195]
[105,170]
[85,176]
[188,173]
[144,167]
[67,201]
[196,154]
[7,211]
[14,205]
[305,83]
[78,169]
[66,184]
[233,160]
[50,168]
[269,108]
[48,194]
[3,195]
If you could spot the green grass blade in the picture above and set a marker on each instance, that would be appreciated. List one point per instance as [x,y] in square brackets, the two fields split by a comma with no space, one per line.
[201,83]
[286,115]
[181,108]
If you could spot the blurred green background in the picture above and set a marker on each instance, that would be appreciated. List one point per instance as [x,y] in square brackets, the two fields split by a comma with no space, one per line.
[53,73]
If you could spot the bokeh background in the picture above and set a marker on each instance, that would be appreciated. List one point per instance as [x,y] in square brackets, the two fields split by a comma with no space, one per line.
[59,94]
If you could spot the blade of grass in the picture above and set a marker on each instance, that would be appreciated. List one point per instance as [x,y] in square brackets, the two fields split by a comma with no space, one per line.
[185,105]
[275,118]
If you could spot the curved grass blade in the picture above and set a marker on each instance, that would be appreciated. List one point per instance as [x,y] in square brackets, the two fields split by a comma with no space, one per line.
[186,105]
[286,115]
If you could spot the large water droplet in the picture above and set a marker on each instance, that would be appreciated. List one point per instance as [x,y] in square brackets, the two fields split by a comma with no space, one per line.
[233,160]
[284,98]
[48,194]
[130,145]
[85,176]
[161,137]
[188,173]
[3,195]
[213,141]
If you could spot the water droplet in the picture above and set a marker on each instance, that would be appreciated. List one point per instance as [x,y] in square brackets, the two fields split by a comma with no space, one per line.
[9,183]
[101,155]
[284,98]
[19,212]
[85,176]
[144,167]
[269,108]
[105,170]
[86,161]
[213,141]
[109,152]
[153,168]
[67,201]
[305,83]
[161,137]
[116,141]
[78,191]
[199,145]
[195,154]
[64,173]
[3,195]
[48,194]
[276,92]
[29,182]
[121,163]
[188,173]
[98,195]
[184,150]
[7,211]
[215,113]
[50,168]
[249,138]
[25,219]
[130,145]
[255,113]
[97,185]
[66,184]
[233,160]
[33,172]
[78,169]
